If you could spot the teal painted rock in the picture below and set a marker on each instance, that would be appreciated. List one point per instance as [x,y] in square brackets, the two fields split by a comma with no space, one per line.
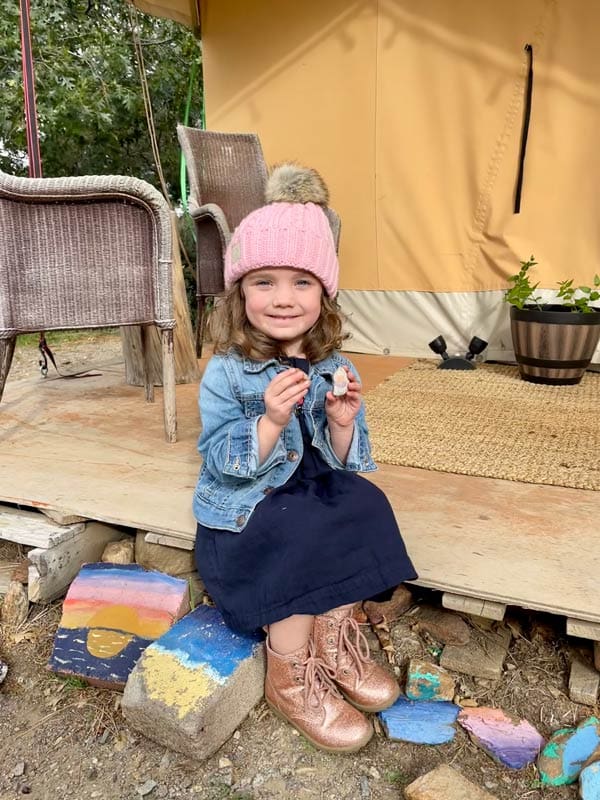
[589,782]
[566,752]
[425,681]
[192,687]
[420,722]
[514,743]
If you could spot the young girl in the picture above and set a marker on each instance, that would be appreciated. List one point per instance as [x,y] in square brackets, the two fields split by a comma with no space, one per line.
[289,536]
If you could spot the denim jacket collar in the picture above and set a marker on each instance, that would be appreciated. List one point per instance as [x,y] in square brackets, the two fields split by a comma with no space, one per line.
[325,367]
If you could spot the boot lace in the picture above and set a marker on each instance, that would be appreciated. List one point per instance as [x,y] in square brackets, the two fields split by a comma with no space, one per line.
[318,680]
[353,641]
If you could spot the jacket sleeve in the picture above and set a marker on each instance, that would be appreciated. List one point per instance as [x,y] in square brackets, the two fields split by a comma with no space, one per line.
[359,457]
[229,440]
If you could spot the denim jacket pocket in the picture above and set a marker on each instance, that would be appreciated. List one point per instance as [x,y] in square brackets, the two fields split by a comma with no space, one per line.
[253,405]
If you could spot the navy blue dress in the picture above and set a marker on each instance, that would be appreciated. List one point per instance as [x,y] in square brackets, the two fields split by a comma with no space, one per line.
[325,538]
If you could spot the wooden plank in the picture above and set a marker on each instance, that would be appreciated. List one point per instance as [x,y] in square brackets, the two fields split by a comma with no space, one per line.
[474,605]
[34,529]
[467,536]
[583,629]
[51,571]
[170,541]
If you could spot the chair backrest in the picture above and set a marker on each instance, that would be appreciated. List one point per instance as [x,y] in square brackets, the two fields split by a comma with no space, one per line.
[83,253]
[227,169]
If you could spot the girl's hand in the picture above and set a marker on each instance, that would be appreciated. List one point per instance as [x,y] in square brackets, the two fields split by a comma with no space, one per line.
[283,393]
[341,411]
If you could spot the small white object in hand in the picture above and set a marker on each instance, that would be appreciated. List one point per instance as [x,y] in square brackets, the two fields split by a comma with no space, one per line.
[340,382]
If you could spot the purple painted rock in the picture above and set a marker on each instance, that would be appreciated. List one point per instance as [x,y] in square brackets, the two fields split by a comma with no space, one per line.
[589,782]
[514,743]
[420,722]
[426,681]
[567,751]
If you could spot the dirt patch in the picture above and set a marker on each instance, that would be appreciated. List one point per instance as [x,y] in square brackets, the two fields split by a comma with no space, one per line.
[73,352]
[61,739]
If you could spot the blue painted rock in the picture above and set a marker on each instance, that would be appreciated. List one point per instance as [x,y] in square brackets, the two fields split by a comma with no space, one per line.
[420,722]
[111,613]
[567,751]
[514,743]
[192,688]
[589,782]
[425,681]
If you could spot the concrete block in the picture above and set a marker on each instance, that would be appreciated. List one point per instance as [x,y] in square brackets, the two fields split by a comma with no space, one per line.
[512,742]
[420,722]
[426,681]
[193,687]
[567,751]
[111,613]
[172,560]
[483,656]
[445,783]
[584,681]
[51,570]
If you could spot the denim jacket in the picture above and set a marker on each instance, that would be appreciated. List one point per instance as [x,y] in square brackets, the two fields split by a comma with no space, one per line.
[232,482]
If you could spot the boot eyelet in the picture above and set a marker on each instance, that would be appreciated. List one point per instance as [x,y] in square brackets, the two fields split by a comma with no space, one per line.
[298,679]
[330,623]
[346,671]
[330,640]
[295,665]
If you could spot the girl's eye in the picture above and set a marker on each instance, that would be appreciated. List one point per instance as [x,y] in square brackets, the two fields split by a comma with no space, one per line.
[303,282]
[262,282]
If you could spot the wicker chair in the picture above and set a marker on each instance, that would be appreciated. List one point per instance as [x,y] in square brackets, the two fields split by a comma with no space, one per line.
[86,252]
[227,174]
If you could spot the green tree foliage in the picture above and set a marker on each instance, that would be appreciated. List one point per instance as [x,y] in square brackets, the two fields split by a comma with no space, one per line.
[89,97]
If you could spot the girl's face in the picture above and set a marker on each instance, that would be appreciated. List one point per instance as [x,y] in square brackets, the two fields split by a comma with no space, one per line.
[283,303]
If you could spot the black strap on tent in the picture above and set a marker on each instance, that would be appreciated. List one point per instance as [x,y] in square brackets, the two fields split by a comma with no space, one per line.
[525,131]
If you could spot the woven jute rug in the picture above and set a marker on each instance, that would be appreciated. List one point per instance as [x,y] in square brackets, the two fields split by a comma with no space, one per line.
[488,422]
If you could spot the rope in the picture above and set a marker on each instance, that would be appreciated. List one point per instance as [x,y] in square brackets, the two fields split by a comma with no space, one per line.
[31,123]
[137,44]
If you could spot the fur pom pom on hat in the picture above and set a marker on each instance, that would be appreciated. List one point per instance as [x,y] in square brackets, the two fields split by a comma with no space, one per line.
[292,230]
[291,183]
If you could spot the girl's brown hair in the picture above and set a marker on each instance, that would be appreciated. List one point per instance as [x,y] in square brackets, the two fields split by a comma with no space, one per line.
[230,328]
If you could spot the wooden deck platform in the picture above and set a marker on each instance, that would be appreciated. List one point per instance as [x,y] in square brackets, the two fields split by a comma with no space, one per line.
[93,447]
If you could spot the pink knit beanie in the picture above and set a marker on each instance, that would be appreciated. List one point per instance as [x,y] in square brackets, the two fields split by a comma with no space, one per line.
[291,231]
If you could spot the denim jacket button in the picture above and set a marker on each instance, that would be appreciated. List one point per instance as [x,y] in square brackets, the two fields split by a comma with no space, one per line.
[239,521]
[292,455]
[267,489]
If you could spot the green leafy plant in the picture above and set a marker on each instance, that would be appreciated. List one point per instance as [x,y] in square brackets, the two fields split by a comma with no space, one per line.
[522,292]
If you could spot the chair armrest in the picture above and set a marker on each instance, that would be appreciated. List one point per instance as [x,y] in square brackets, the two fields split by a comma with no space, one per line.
[215,213]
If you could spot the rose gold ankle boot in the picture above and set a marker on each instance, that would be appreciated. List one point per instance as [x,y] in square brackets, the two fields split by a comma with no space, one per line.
[298,689]
[345,651]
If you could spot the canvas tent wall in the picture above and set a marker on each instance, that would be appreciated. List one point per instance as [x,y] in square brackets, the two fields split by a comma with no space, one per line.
[413,112]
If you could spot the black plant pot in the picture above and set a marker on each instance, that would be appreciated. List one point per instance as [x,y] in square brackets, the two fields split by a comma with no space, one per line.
[554,345]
